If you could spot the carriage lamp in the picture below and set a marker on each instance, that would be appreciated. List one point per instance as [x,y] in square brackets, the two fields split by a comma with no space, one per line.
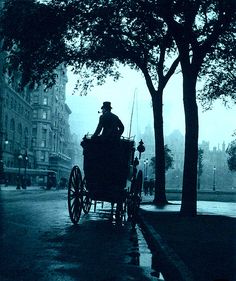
[141,148]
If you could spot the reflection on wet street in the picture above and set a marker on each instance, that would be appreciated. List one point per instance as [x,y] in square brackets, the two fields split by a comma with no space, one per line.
[142,256]
[39,242]
[139,253]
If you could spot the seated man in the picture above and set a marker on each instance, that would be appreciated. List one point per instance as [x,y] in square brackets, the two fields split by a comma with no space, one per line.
[109,124]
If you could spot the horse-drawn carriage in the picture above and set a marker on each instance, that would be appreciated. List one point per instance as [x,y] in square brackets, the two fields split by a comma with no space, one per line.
[110,175]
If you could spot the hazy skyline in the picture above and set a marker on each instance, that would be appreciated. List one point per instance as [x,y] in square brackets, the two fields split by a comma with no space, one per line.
[216,125]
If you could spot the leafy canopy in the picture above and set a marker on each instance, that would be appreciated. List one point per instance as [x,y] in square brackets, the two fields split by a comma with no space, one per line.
[94,35]
[169,159]
[231,151]
[219,71]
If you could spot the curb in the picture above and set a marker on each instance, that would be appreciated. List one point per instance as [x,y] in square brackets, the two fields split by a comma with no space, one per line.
[171,265]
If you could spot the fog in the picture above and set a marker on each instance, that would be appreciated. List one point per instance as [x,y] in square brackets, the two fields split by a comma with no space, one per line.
[216,125]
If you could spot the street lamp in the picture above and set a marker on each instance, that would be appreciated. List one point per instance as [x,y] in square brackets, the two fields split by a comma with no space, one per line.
[146,169]
[20,157]
[25,163]
[214,178]
[2,176]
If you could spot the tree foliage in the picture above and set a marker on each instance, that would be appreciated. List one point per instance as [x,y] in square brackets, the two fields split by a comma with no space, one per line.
[196,27]
[231,160]
[90,36]
[219,72]
[200,161]
[169,159]
[34,40]
[200,167]
[93,36]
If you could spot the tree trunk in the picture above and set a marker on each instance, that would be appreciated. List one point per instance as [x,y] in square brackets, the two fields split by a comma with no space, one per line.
[160,195]
[189,192]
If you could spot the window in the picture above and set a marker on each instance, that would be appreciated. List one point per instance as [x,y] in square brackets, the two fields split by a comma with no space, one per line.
[11,146]
[44,133]
[34,132]
[35,99]
[19,129]
[33,142]
[6,122]
[43,143]
[45,89]
[44,116]
[35,114]
[42,156]
[12,125]
[45,101]
[6,102]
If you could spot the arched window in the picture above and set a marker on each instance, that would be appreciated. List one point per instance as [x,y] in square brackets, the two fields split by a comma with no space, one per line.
[6,122]
[12,125]
[26,136]
[19,131]
[26,132]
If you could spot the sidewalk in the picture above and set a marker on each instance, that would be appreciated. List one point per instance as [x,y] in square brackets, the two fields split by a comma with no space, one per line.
[29,188]
[202,248]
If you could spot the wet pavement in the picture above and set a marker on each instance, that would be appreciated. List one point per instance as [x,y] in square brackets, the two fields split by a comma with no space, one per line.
[203,208]
[39,242]
[201,248]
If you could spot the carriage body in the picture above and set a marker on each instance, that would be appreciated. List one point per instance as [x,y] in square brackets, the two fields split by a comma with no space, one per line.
[107,167]
[110,175]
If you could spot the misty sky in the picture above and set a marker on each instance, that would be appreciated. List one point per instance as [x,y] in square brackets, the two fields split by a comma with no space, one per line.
[216,125]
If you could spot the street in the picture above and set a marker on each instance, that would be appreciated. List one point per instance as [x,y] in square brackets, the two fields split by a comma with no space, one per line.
[39,242]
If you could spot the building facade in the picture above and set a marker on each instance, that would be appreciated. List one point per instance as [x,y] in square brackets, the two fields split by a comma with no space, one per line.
[51,136]
[35,135]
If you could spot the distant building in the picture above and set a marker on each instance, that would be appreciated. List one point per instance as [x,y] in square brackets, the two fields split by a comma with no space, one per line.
[15,123]
[175,142]
[215,176]
[35,134]
[51,134]
[216,173]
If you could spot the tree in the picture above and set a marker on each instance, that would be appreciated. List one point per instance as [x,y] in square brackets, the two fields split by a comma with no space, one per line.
[93,36]
[220,74]
[200,167]
[197,27]
[231,151]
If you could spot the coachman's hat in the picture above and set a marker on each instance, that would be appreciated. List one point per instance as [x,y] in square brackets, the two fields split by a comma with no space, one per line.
[106,105]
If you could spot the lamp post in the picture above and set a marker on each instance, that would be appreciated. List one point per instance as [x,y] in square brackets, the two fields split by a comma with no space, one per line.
[1,140]
[2,176]
[25,164]
[20,157]
[1,159]
[214,178]
[146,169]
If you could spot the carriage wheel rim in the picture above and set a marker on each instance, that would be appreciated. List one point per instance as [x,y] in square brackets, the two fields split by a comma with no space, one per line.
[75,199]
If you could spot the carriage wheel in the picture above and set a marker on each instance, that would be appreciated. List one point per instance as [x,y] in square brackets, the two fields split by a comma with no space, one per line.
[75,197]
[134,199]
[87,202]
